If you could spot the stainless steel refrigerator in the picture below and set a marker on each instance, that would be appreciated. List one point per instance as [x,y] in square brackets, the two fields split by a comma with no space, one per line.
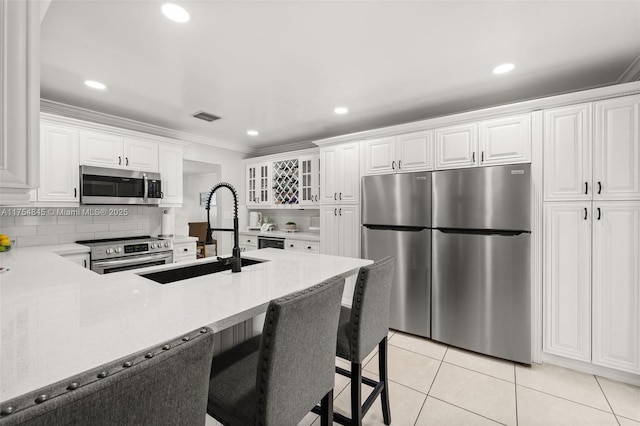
[481,260]
[396,221]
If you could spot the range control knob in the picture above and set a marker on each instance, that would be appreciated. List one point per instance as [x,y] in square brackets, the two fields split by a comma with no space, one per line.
[109,250]
[166,245]
[118,249]
[153,246]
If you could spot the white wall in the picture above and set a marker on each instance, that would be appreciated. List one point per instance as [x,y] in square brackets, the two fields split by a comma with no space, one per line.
[231,170]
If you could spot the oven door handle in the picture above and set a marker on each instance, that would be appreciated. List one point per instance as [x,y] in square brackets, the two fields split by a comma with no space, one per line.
[111,262]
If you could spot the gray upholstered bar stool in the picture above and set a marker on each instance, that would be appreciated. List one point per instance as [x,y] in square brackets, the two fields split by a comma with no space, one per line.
[278,377]
[162,385]
[361,328]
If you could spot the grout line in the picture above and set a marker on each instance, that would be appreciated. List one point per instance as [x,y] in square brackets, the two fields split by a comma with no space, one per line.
[566,399]
[437,371]
[606,399]
[468,411]
[420,410]
[479,372]
[515,393]
[417,353]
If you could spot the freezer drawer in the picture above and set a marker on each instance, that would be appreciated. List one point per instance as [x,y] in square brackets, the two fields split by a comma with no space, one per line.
[411,293]
[481,293]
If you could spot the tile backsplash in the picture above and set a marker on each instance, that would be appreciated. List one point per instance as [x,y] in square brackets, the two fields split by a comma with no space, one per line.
[31,226]
[303,218]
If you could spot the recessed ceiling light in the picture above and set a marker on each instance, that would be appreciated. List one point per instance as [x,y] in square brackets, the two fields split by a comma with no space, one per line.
[175,12]
[95,84]
[252,132]
[341,110]
[503,68]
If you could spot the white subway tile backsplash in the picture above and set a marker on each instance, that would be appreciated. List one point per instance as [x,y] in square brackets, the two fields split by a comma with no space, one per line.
[6,221]
[55,229]
[77,236]
[108,219]
[17,231]
[36,240]
[35,220]
[92,227]
[123,226]
[64,220]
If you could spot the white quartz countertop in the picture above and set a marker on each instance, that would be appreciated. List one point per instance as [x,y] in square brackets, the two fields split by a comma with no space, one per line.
[59,319]
[307,236]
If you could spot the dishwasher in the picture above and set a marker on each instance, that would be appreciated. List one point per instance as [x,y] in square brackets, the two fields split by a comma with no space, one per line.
[270,242]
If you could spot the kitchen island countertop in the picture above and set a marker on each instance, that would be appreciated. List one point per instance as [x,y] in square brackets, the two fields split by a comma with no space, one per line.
[59,319]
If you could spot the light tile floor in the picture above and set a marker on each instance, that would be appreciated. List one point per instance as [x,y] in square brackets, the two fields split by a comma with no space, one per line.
[433,384]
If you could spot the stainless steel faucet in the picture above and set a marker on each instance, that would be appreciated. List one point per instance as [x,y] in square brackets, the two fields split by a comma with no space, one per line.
[236,262]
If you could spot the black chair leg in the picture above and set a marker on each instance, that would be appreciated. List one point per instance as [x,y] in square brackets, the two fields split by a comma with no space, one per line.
[326,409]
[356,394]
[384,395]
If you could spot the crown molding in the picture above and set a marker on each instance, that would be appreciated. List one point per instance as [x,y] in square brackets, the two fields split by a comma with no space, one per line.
[632,73]
[77,113]
[284,148]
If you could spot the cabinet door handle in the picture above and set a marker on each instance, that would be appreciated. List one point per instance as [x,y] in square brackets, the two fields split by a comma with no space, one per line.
[599,213]
[340,196]
[482,156]
[585,213]
[599,187]
[335,196]
[399,164]
[126,161]
[85,262]
[161,195]
[119,161]
[340,211]
[393,164]
[473,157]
[586,188]
[75,192]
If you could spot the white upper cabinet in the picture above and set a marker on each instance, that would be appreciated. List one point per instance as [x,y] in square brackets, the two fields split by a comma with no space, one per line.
[258,181]
[592,151]
[505,140]
[109,150]
[59,165]
[567,280]
[141,155]
[410,152]
[309,182]
[170,162]
[617,149]
[616,285]
[568,153]
[340,174]
[456,146]
[19,99]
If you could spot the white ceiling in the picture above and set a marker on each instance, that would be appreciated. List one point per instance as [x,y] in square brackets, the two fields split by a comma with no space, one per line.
[281,67]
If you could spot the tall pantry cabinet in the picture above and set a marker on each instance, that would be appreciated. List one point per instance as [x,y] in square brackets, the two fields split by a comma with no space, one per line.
[592,233]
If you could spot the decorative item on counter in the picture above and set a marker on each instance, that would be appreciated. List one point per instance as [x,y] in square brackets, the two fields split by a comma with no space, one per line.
[290,227]
[5,243]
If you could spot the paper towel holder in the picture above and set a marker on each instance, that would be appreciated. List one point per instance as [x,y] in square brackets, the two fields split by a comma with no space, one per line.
[166,231]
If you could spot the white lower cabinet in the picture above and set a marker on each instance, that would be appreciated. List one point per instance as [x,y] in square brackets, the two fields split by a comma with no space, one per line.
[248,242]
[616,285]
[340,236]
[184,252]
[302,245]
[592,282]
[81,259]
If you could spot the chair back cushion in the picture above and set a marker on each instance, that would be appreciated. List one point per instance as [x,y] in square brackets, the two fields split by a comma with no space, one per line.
[297,353]
[370,307]
[163,385]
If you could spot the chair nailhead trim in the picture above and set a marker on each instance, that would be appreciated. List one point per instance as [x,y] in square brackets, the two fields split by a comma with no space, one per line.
[102,375]
[6,410]
[42,398]
[73,386]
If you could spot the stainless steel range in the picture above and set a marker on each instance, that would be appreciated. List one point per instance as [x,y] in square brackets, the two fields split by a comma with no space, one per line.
[122,254]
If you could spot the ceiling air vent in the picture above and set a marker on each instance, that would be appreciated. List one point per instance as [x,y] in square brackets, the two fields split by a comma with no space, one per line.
[206,116]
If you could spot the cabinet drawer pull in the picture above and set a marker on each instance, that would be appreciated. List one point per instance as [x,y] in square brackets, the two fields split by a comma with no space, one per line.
[585,213]
[75,192]
[599,213]
[482,157]
[126,161]
[186,249]
[119,161]
[473,157]
[599,187]
[308,248]
[393,164]
[290,245]
[399,164]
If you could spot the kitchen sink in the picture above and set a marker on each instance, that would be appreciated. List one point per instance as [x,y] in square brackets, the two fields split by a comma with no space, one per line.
[192,271]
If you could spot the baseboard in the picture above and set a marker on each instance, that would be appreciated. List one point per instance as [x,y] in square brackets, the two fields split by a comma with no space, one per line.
[586,367]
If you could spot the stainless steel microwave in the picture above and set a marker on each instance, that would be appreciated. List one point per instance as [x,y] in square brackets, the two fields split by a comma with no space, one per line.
[101,185]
